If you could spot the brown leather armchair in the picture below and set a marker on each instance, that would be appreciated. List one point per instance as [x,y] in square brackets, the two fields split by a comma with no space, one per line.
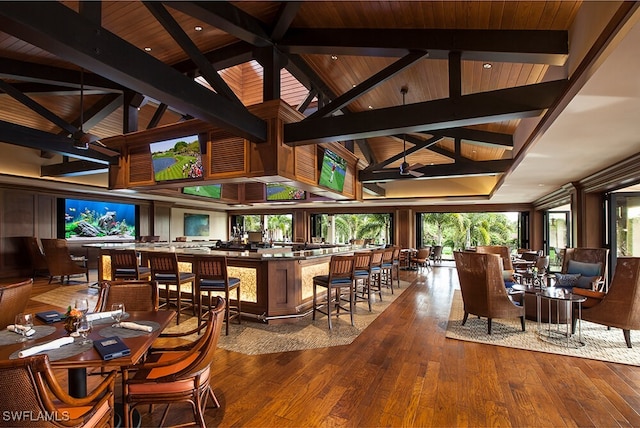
[620,307]
[588,255]
[483,290]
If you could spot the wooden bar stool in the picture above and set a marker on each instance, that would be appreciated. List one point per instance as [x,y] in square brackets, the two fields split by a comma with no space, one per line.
[164,270]
[341,277]
[212,277]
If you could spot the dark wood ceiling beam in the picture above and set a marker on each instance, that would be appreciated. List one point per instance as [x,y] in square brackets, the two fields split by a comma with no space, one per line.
[455,75]
[305,103]
[288,11]
[308,77]
[91,10]
[226,17]
[365,148]
[207,71]
[157,115]
[18,135]
[73,169]
[477,136]
[36,107]
[38,73]
[472,109]
[98,111]
[370,83]
[225,57]
[61,31]
[56,90]
[374,189]
[522,46]
[439,171]
[272,61]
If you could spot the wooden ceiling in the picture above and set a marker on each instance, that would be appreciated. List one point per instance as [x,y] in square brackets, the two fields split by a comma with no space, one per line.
[322,51]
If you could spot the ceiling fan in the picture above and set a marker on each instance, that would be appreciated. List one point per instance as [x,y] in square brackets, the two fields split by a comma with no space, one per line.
[405,168]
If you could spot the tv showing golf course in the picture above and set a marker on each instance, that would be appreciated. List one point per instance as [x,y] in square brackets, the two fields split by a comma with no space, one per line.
[212,191]
[177,159]
[333,171]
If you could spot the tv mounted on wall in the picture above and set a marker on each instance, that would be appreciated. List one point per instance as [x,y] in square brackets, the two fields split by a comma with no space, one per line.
[177,159]
[84,219]
[196,224]
[332,171]
[284,192]
[213,191]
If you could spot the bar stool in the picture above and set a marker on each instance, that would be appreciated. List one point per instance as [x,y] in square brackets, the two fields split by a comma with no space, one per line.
[165,270]
[362,275]
[124,265]
[387,268]
[341,277]
[211,277]
[375,281]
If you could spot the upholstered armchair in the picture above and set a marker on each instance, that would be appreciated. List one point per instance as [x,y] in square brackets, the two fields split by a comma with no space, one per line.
[584,268]
[620,307]
[59,260]
[483,291]
[505,255]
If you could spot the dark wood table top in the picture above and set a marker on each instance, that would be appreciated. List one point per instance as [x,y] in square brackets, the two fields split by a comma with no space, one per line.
[91,358]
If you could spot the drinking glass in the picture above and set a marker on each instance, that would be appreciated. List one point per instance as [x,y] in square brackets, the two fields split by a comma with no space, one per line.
[117,312]
[23,323]
[83,327]
[82,305]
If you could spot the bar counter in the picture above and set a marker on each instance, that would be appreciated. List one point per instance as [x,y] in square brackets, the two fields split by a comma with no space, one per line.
[275,285]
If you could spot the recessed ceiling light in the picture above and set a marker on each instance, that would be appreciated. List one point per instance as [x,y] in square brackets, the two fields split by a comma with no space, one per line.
[197,28]
[370,107]
[334,57]
[147,49]
[487,65]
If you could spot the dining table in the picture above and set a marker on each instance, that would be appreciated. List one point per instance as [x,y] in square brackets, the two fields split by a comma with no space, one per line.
[77,358]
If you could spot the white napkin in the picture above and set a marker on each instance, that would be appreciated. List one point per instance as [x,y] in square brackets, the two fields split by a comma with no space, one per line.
[54,344]
[134,326]
[12,328]
[100,315]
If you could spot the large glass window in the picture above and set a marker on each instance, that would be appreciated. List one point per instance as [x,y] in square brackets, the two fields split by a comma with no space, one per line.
[346,228]
[274,227]
[558,237]
[626,218]
[457,231]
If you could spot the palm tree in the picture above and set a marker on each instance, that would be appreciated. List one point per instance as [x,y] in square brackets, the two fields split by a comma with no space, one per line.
[282,222]
[375,226]
[435,226]
[346,226]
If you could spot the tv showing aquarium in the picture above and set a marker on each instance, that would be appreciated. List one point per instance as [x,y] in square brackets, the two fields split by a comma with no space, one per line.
[196,224]
[332,171]
[284,192]
[99,220]
[177,159]
[212,191]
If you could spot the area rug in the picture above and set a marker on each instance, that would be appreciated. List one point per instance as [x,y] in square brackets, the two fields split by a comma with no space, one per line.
[599,343]
[255,337]
[66,295]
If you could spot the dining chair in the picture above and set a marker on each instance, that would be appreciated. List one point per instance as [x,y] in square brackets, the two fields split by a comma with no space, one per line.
[179,374]
[36,256]
[137,295]
[60,261]
[166,271]
[13,300]
[28,386]
[340,279]
[125,265]
[212,277]
[362,277]
[421,259]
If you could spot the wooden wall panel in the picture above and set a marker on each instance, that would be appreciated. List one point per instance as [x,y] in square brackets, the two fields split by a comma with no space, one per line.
[227,156]
[254,192]
[306,165]
[44,226]
[162,221]
[140,166]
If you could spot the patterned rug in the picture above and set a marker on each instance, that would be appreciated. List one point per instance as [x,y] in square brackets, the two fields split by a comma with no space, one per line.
[599,343]
[254,337]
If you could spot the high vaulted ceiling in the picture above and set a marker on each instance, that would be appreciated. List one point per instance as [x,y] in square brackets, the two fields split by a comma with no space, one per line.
[483,82]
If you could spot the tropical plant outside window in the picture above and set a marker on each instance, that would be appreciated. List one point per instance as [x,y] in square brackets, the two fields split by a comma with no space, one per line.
[455,231]
[348,227]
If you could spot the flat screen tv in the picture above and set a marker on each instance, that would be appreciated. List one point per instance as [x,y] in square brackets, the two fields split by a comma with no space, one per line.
[196,224]
[284,192]
[332,171]
[213,191]
[177,159]
[98,220]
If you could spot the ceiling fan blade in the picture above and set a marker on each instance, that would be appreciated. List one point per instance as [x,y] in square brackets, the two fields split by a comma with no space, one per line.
[415,166]
[416,173]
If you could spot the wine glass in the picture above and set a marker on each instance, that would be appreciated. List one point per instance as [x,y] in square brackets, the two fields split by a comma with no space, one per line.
[83,327]
[117,312]
[23,324]
[82,305]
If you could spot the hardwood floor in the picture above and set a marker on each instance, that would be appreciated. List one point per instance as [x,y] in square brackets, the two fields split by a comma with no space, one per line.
[402,371]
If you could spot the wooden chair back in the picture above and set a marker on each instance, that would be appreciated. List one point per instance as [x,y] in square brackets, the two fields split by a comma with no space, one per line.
[13,300]
[137,295]
[59,259]
[501,250]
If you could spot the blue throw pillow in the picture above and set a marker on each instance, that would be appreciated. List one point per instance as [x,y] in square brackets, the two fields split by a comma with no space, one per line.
[586,281]
[584,269]
[567,280]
